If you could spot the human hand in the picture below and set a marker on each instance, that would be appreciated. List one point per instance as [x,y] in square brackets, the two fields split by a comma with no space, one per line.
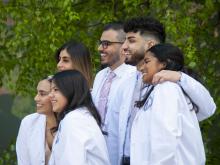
[166,75]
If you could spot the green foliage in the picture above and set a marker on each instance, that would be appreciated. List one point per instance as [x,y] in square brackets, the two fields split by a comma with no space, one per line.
[8,156]
[31,31]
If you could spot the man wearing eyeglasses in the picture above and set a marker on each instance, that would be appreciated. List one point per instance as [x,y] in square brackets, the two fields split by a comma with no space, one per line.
[110,89]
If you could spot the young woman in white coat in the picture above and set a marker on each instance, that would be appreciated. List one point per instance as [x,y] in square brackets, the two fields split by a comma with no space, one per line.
[165,130]
[35,137]
[79,140]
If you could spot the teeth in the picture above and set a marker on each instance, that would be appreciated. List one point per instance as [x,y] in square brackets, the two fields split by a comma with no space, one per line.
[102,54]
[126,52]
[38,105]
[53,101]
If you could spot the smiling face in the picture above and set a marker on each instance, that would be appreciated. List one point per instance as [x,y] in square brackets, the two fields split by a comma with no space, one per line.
[58,100]
[65,61]
[150,66]
[135,46]
[111,55]
[42,99]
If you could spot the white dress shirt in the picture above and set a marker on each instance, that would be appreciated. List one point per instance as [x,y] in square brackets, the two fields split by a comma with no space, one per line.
[30,143]
[119,97]
[79,141]
[166,131]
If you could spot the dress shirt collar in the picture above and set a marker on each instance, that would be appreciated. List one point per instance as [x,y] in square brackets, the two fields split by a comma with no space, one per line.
[119,71]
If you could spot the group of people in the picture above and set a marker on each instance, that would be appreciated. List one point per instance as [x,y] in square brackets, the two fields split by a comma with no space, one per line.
[143,108]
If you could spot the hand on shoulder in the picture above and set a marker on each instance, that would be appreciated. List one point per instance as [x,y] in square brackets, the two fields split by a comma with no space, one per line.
[166,75]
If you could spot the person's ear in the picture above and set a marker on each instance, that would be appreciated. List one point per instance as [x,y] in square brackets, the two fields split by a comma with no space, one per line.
[150,43]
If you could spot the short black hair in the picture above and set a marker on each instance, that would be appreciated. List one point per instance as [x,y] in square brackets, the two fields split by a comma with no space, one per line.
[146,25]
[116,26]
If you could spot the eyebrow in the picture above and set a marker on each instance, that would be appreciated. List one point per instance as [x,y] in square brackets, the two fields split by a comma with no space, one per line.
[130,37]
[146,58]
[65,57]
[42,91]
[104,40]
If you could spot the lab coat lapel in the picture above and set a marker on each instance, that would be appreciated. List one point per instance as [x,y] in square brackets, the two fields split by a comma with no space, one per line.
[38,147]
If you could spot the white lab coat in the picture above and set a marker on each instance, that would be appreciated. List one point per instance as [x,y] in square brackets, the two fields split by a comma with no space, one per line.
[165,131]
[200,96]
[79,141]
[30,143]
[119,97]
[124,112]
[197,92]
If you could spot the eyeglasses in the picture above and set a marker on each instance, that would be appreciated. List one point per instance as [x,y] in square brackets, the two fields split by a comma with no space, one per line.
[106,43]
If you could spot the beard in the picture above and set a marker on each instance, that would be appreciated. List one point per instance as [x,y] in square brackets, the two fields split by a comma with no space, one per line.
[102,66]
[130,62]
[134,59]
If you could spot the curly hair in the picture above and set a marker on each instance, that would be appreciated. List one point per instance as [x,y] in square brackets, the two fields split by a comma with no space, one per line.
[147,26]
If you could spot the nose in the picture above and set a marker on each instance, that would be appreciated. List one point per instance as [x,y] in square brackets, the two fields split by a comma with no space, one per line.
[59,65]
[124,46]
[100,48]
[51,94]
[140,66]
[122,52]
[36,98]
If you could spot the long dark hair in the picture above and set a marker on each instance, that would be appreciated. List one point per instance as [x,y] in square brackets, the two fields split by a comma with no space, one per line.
[80,57]
[173,59]
[74,87]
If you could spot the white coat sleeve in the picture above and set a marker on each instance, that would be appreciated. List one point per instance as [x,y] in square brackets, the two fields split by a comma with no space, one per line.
[165,125]
[21,143]
[199,95]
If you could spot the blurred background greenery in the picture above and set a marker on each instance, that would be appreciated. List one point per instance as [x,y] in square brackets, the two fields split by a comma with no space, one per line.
[32,30]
